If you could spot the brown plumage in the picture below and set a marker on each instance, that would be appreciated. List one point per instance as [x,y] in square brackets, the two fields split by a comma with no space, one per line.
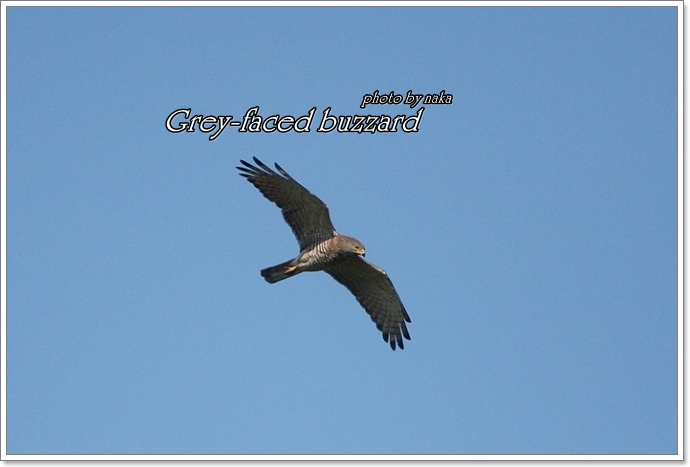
[322,248]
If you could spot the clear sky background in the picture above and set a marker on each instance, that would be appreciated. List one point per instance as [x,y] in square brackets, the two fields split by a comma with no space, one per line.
[530,229]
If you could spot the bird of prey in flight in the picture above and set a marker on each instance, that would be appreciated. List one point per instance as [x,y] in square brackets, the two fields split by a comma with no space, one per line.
[322,248]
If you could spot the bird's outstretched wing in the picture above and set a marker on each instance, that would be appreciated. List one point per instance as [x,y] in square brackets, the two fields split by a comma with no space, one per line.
[305,213]
[374,290]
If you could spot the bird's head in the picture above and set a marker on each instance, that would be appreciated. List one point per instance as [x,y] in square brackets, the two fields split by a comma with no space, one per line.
[354,246]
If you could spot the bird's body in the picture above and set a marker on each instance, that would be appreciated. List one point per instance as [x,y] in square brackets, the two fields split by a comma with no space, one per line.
[314,258]
[322,248]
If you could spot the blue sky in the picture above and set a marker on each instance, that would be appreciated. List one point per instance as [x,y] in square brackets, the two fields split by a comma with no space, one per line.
[530,229]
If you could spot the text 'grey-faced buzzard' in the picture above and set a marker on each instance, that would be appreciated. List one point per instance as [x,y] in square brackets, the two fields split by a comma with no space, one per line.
[324,249]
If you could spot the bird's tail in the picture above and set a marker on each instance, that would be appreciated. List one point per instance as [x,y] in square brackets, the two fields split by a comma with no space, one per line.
[279,272]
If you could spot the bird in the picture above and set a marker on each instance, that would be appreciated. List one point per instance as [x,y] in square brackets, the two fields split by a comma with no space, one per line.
[322,248]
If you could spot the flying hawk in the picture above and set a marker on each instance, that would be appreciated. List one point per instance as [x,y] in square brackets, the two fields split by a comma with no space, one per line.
[322,248]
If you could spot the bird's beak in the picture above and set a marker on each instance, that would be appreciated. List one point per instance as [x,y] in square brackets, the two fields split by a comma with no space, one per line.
[364,253]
